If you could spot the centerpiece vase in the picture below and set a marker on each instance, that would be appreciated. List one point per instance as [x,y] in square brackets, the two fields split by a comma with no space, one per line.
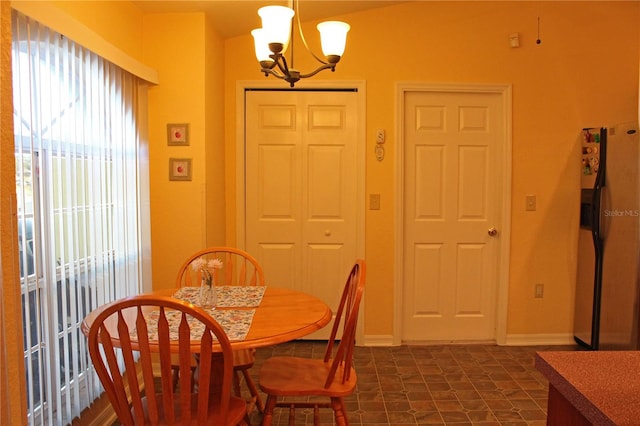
[208,297]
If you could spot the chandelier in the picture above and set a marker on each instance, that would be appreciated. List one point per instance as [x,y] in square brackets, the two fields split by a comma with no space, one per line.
[273,39]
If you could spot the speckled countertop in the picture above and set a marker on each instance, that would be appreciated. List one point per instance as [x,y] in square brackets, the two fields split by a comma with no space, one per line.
[603,385]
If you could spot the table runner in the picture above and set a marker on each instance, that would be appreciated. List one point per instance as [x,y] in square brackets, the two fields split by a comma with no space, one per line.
[234,322]
[227,296]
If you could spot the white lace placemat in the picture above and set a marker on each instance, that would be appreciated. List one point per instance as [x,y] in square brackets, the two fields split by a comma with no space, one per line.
[227,296]
[234,322]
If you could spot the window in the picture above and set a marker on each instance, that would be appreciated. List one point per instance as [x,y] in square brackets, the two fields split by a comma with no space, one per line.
[78,191]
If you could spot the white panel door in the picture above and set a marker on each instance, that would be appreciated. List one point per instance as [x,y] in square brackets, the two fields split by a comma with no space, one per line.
[451,202]
[301,188]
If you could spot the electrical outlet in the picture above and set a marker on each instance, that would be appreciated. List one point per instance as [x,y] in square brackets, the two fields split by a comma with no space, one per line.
[374,201]
[530,203]
[539,291]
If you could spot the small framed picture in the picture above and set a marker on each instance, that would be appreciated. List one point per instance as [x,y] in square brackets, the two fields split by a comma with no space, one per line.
[179,168]
[178,134]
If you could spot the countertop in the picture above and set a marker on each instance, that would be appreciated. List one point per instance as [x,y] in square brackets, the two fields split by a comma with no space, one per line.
[603,385]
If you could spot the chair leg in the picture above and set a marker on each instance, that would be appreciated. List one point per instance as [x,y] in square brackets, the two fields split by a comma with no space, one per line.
[174,380]
[339,412]
[236,384]
[292,415]
[253,389]
[267,416]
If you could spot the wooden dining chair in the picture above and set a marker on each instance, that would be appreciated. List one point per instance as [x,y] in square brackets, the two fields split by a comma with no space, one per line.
[130,334]
[239,268]
[333,376]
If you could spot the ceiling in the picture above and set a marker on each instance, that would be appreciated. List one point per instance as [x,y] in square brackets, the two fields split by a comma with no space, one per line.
[232,18]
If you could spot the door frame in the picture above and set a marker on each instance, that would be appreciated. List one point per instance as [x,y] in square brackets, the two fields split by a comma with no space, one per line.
[359,87]
[502,285]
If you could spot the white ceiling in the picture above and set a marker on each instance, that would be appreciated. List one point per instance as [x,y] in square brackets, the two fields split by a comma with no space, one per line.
[237,17]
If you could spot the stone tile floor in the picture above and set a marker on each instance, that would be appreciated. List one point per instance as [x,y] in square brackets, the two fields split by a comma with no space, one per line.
[476,384]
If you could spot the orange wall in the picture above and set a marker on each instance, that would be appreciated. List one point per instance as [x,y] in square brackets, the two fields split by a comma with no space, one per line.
[214,137]
[584,73]
[184,215]
[118,22]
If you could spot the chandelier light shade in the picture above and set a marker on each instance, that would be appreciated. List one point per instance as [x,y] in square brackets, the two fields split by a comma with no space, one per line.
[333,36]
[276,24]
[272,40]
[262,47]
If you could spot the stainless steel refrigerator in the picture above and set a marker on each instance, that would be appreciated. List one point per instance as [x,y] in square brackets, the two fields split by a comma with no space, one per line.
[608,278]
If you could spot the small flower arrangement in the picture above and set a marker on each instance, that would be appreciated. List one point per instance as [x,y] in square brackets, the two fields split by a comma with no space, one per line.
[206,267]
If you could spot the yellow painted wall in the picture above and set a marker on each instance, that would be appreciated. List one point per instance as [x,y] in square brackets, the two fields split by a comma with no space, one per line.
[118,22]
[214,137]
[181,47]
[584,73]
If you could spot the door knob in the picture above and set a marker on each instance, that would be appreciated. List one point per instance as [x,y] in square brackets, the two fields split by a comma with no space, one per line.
[492,232]
[327,233]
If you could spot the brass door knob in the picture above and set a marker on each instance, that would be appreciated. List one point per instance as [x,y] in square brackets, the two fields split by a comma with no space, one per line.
[492,232]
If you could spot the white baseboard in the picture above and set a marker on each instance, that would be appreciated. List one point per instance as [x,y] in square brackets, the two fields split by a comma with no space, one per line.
[377,340]
[511,340]
[539,339]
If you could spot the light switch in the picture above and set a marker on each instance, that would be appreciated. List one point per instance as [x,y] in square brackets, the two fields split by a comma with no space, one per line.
[530,201]
[514,40]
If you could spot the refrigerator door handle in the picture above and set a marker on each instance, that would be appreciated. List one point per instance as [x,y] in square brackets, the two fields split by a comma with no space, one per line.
[595,214]
[604,206]
[597,246]
[598,187]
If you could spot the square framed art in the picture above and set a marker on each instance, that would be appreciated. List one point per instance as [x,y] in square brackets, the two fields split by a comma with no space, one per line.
[179,168]
[178,134]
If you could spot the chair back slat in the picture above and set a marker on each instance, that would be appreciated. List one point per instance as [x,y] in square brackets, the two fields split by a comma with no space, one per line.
[184,340]
[129,368]
[164,349]
[205,370]
[146,363]
[163,404]
[238,268]
[116,393]
[347,315]
[184,364]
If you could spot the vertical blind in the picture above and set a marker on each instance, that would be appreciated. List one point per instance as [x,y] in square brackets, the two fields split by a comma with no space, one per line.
[77,183]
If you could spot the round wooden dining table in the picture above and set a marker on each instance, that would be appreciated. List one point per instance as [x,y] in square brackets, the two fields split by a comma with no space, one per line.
[282,315]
